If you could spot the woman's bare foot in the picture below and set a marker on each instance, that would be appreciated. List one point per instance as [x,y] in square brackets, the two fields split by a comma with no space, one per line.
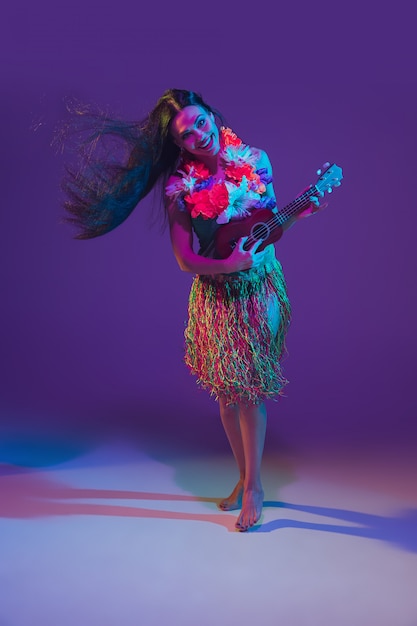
[251,509]
[234,501]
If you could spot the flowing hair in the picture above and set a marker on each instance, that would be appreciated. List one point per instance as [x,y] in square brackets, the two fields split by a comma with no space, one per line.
[119,162]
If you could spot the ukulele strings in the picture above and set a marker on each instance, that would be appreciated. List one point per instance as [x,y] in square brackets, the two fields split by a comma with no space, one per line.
[286,212]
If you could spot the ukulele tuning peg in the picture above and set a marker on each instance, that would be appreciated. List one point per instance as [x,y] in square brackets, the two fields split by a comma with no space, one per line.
[329,190]
[318,172]
[326,165]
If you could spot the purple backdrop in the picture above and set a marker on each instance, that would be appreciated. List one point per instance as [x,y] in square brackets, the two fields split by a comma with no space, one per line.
[92,331]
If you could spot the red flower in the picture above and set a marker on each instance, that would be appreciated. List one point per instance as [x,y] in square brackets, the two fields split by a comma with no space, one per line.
[237,172]
[200,170]
[229,138]
[199,203]
[219,197]
[196,169]
[208,202]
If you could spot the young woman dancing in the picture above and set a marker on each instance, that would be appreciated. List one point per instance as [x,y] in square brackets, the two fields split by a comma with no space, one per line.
[239,311]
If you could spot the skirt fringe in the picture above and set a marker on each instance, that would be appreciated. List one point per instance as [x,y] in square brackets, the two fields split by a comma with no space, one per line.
[230,344]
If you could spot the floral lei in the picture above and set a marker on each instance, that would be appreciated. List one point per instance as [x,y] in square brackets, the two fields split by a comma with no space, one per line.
[234,197]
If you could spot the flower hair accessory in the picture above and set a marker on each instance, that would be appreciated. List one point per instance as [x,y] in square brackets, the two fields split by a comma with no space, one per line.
[198,192]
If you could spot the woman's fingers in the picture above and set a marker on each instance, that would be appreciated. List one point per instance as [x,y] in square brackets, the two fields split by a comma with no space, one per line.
[314,200]
[253,248]
[241,242]
[248,257]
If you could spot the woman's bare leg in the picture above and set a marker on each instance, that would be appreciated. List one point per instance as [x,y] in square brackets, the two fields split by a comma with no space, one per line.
[230,420]
[252,420]
[245,426]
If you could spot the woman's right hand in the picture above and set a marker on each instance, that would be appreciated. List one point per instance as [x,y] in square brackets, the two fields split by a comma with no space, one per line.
[242,259]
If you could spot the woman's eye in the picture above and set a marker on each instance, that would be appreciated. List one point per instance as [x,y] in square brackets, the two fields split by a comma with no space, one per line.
[201,122]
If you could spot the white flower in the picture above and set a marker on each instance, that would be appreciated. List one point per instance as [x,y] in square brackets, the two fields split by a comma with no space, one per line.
[239,155]
[175,188]
[179,185]
[188,180]
[240,201]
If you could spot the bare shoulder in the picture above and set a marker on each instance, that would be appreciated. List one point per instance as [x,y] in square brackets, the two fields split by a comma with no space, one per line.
[263,163]
[262,159]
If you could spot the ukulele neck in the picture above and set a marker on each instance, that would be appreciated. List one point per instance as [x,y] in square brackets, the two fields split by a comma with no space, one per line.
[294,207]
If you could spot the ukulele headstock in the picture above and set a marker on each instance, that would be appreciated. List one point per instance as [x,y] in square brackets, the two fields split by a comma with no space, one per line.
[329,177]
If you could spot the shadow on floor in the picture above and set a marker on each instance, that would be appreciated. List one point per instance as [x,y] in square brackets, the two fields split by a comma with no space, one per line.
[26,494]
[399,530]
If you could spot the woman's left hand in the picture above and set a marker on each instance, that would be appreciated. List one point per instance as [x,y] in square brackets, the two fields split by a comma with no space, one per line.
[313,208]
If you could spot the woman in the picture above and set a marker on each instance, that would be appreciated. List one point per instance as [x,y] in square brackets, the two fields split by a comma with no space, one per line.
[238,309]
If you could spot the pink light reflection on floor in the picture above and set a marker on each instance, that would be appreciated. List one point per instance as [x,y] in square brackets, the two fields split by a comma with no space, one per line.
[117,536]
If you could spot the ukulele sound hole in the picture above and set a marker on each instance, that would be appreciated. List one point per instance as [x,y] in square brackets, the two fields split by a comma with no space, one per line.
[260,231]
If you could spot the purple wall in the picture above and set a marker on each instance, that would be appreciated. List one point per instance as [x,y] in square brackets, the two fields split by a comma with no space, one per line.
[91,332]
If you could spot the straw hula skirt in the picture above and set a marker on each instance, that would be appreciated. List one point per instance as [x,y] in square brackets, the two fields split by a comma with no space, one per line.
[235,335]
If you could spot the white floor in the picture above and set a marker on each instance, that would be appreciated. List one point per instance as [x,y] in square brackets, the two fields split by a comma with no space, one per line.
[115,536]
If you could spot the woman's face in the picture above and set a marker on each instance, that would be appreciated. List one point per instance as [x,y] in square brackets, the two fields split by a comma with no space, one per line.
[194,129]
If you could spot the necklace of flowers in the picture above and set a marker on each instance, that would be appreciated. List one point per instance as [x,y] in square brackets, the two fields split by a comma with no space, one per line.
[235,196]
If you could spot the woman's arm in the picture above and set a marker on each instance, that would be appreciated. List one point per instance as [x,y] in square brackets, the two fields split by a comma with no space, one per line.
[307,212]
[270,193]
[189,261]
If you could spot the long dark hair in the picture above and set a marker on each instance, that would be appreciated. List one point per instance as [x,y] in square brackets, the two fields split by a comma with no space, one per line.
[120,162]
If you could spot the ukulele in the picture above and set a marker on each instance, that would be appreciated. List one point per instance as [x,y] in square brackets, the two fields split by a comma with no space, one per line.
[266,225]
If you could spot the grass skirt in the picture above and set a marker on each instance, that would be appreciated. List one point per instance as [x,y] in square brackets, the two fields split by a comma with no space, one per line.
[230,344]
